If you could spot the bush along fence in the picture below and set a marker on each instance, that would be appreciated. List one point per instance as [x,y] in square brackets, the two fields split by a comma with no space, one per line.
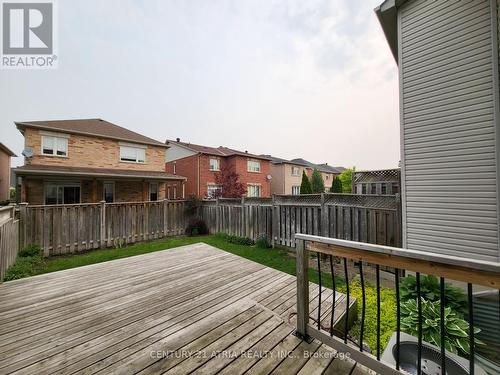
[9,238]
[65,229]
[364,218]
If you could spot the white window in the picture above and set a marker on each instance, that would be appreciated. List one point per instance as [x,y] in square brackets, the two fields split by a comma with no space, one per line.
[132,154]
[253,166]
[55,146]
[295,171]
[214,164]
[295,190]
[254,190]
[213,191]
[175,192]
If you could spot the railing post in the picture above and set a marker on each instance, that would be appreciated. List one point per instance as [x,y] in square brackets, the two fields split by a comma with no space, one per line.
[23,232]
[103,225]
[302,289]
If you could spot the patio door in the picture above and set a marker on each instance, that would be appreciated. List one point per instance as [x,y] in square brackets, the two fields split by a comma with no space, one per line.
[63,193]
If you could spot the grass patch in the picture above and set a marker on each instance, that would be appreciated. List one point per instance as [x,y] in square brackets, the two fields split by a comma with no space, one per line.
[276,258]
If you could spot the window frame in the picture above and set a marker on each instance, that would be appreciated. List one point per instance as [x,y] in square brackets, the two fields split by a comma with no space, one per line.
[256,162]
[297,189]
[259,186]
[217,160]
[112,183]
[212,187]
[61,185]
[134,147]
[55,138]
[298,171]
[151,184]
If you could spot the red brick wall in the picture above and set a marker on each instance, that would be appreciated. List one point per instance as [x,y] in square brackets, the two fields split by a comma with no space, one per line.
[240,165]
[188,167]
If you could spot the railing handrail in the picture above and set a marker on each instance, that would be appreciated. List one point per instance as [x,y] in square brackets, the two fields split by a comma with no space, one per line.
[418,255]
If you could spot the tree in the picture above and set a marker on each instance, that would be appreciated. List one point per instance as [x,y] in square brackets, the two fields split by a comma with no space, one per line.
[305,186]
[336,186]
[346,178]
[317,184]
[229,182]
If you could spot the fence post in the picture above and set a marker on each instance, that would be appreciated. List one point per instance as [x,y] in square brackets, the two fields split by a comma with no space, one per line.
[274,224]
[324,216]
[103,225]
[302,288]
[165,217]
[23,218]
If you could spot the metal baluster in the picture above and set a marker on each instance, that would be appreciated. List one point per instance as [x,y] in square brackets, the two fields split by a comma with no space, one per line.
[442,329]
[363,311]
[378,311]
[419,308]
[346,325]
[333,296]
[471,328]
[398,320]
[320,287]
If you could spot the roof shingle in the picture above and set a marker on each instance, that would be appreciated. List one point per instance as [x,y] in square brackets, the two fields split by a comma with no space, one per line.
[92,127]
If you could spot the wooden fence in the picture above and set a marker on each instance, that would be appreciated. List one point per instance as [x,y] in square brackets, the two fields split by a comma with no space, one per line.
[63,229]
[364,218]
[9,239]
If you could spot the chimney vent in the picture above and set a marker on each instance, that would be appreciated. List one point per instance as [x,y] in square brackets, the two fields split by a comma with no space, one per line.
[178,139]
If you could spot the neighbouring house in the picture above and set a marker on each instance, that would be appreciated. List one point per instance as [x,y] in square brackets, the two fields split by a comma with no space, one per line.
[447,54]
[286,176]
[380,182]
[328,173]
[91,160]
[5,156]
[201,163]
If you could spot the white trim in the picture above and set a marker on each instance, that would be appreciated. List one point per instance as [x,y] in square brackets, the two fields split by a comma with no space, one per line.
[134,145]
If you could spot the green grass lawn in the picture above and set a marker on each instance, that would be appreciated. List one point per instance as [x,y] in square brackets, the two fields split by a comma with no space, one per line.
[276,258]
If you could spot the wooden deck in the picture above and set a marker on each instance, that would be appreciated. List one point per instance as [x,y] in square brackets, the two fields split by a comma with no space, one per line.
[190,309]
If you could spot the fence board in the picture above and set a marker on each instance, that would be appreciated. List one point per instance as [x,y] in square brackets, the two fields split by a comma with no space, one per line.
[374,219]
[9,237]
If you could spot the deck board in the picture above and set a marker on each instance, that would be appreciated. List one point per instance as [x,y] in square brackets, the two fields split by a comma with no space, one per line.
[192,309]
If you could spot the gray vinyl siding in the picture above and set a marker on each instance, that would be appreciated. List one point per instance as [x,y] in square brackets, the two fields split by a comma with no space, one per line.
[448,104]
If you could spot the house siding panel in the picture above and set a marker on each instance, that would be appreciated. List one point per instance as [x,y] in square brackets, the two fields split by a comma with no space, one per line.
[448,128]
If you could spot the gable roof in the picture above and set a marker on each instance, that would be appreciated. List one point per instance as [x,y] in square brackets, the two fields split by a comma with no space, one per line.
[321,167]
[217,151]
[92,127]
[7,150]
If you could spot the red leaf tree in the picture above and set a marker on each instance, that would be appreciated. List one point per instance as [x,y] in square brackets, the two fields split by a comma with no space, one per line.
[229,182]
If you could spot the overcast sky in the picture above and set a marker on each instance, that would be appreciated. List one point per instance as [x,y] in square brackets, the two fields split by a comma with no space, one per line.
[311,79]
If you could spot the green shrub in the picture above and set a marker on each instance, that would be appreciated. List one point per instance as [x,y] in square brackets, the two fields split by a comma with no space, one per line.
[305,185]
[456,329]
[24,267]
[455,297]
[30,251]
[387,313]
[317,184]
[261,242]
[235,239]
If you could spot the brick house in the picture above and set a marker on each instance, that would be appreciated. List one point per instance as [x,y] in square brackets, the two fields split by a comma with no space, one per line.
[87,161]
[201,163]
[5,155]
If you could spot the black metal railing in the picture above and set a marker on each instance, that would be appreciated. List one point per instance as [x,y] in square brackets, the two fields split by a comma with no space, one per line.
[400,261]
